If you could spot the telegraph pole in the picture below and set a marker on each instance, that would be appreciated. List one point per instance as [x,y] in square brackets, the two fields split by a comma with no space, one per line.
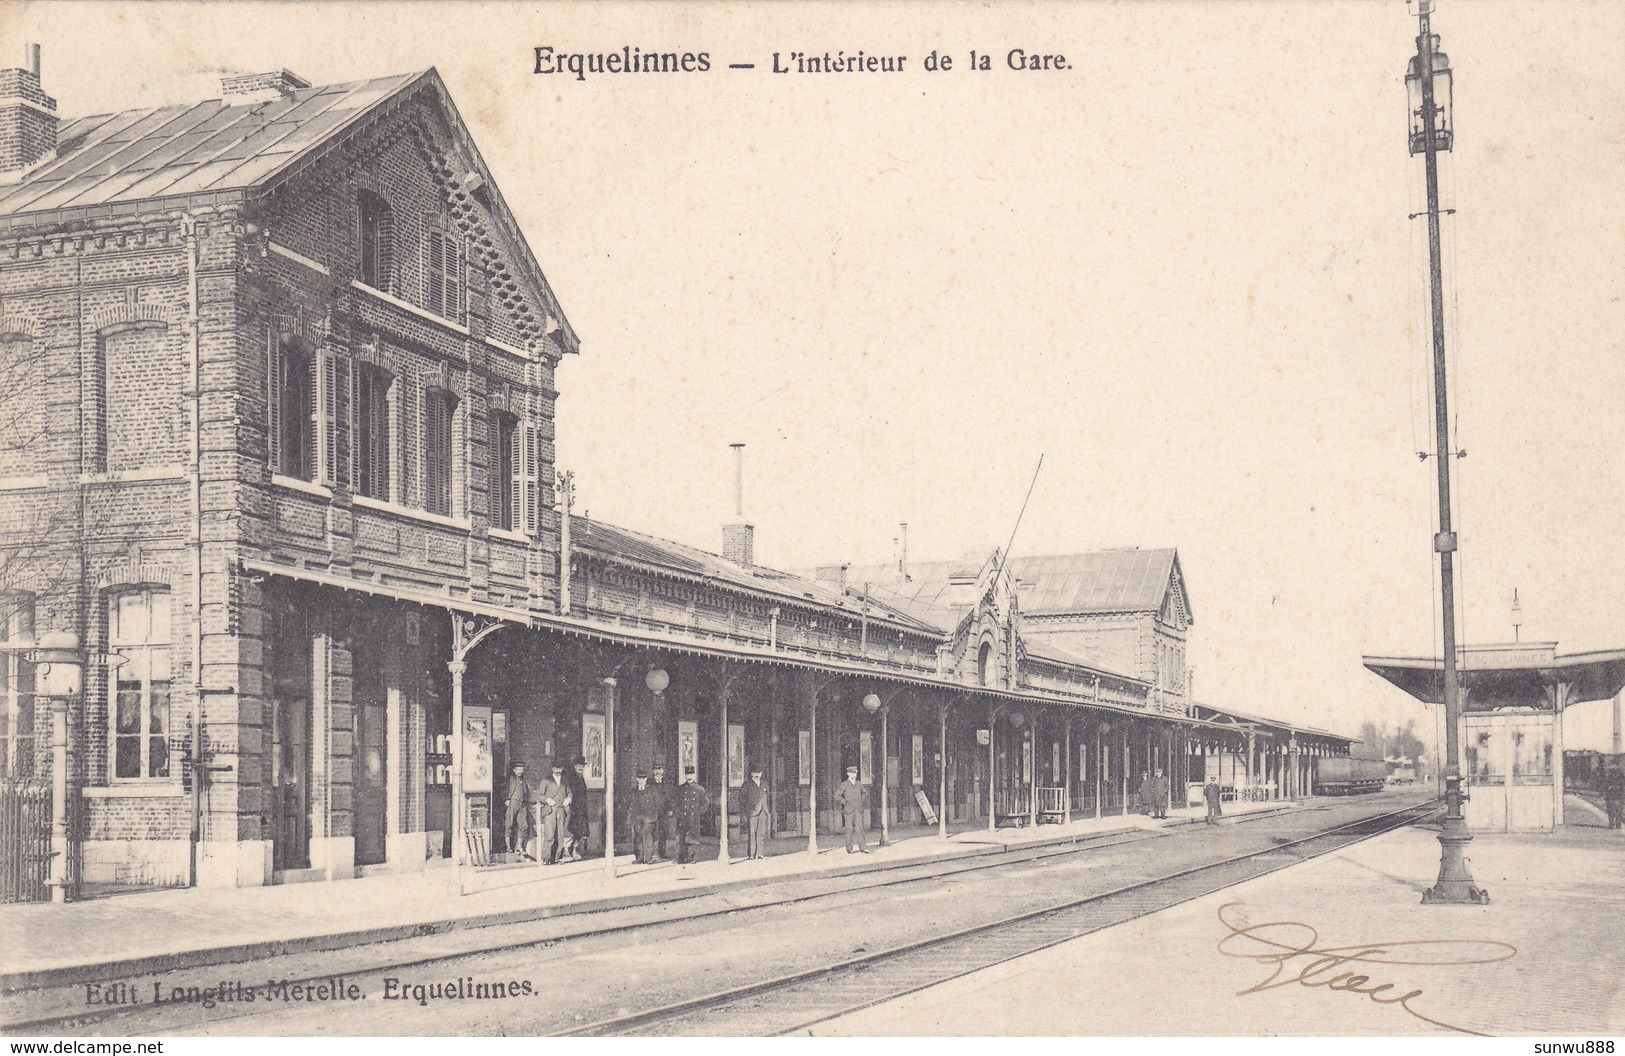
[1430,70]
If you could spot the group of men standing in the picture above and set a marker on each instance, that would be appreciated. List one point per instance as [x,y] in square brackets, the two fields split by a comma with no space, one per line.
[1153,794]
[559,822]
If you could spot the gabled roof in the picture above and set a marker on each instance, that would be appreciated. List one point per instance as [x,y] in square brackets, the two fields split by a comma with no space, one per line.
[1105,581]
[171,154]
[624,546]
[1099,582]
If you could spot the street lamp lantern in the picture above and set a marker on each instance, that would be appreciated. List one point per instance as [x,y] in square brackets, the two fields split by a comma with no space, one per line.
[871,703]
[657,680]
[1017,718]
[1440,103]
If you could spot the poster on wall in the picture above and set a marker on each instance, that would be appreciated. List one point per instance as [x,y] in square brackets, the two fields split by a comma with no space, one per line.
[866,757]
[592,746]
[688,749]
[476,749]
[1055,761]
[1083,762]
[1027,761]
[803,757]
[919,759]
[736,756]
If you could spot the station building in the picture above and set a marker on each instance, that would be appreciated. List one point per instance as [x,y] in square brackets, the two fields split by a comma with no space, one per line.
[278,455]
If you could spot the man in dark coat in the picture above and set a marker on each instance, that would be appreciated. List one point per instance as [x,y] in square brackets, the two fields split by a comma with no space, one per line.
[664,804]
[1210,794]
[554,798]
[849,797]
[753,815]
[693,803]
[641,809]
[578,823]
[1144,797]
[1159,795]
[1613,795]
[516,827]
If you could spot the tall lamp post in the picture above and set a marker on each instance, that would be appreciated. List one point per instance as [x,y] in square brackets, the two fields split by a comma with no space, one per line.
[60,675]
[1428,88]
[872,703]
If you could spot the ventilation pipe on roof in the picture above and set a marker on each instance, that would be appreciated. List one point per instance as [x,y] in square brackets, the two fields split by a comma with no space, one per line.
[739,538]
[902,557]
[27,117]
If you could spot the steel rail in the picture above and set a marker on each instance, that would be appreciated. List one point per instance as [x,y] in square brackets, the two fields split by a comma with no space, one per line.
[699,1006]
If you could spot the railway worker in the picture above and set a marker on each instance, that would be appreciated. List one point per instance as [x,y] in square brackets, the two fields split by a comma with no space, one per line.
[1613,795]
[516,826]
[554,798]
[849,797]
[642,808]
[753,815]
[663,805]
[578,823]
[1159,795]
[1210,793]
[693,801]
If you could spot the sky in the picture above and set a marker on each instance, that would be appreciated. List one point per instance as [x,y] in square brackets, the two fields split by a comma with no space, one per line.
[1180,270]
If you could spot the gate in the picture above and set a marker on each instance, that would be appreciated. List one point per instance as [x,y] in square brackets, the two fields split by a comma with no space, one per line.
[25,841]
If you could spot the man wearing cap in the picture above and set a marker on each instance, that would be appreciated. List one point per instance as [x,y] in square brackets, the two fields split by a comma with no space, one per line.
[849,797]
[641,809]
[1159,795]
[753,815]
[578,823]
[516,827]
[554,797]
[662,797]
[693,801]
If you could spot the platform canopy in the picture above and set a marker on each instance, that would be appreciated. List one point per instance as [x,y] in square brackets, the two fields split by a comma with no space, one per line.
[1530,675]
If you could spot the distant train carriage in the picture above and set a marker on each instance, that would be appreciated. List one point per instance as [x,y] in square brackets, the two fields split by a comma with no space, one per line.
[1341,775]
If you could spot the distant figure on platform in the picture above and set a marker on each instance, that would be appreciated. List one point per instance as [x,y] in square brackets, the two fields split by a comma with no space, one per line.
[516,827]
[1613,796]
[849,797]
[578,823]
[1159,795]
[1144,798]
[642,808]
[753,812]
[554,799]
[664,804]
[1210,793]
[693,802]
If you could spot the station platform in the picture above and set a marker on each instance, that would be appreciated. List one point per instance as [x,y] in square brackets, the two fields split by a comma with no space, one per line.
[1546,956]
[159,930]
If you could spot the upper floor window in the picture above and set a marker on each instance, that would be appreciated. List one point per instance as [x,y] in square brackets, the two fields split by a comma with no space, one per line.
[505,485]
[16,688]
[376,237]
[444,276]
[984,664]
[439,413]
[290,432]
[24,375]
[138,634]
[373,448]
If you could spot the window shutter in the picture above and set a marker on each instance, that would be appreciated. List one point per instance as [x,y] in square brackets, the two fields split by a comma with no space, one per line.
[274,380]
[454,279]
[526,485]
[435,270]
[410,442]
[335,399]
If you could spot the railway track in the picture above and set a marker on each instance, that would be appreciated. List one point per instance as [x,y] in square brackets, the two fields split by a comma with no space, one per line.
[795,1003]
[361,962]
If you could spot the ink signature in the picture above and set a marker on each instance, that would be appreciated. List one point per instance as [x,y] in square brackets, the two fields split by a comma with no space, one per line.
[1292,952]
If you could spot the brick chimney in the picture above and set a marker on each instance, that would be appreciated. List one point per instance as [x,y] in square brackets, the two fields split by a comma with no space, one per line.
[260,87]
[834,575]
[27,117]
[739,543]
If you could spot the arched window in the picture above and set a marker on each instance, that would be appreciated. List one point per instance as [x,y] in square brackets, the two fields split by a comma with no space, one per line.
[505,460]
[984,663]
[16,688]
[376,237]
[138,635]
